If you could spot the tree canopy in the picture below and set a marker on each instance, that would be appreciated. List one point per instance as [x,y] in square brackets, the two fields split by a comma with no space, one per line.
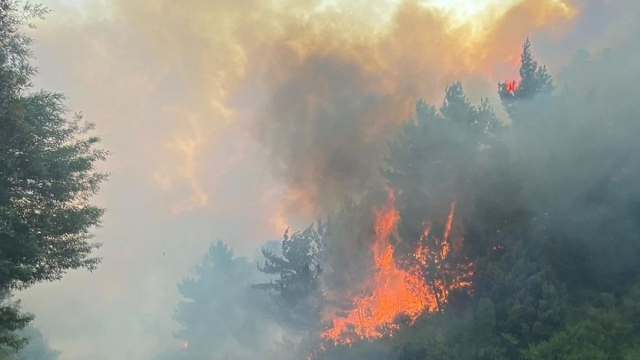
[47,175]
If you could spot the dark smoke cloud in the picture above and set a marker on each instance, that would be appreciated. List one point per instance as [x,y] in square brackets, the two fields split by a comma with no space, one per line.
[333,99]
[324,126]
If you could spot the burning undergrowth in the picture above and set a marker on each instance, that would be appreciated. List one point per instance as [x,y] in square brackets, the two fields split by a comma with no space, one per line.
[396,287]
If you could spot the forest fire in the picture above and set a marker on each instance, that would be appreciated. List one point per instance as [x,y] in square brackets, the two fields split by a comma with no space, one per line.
[393,291]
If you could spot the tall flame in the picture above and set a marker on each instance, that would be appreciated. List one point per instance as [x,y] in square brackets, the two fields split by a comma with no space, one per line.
[432,256]
[393,291]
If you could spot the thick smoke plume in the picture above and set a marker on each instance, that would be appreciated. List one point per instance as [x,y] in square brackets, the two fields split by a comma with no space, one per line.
[352,66]
[336,94]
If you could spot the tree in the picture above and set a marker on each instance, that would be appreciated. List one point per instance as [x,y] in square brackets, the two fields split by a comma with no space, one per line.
[47,173]
[459,155]
[435,158]
[296,286]
[37,348]
[549,215]
[12,320]
[221,314]
[297,277]
[434,165]
[534,80]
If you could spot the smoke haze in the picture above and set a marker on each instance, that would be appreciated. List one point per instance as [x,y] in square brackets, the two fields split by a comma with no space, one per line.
[236,119]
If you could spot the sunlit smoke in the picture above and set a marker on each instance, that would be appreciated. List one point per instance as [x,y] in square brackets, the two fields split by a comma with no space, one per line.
[231,61]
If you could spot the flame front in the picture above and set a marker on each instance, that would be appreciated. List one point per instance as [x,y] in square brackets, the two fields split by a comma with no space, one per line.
[393,291]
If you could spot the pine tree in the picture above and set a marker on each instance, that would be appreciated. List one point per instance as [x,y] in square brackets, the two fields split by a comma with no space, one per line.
[221,313]
[435,157]
[534,80]
[297,278]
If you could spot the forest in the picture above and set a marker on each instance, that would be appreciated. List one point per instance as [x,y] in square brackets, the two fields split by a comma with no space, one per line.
[491,239]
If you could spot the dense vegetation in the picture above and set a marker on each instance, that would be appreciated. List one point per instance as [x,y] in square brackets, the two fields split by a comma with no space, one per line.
[47,177]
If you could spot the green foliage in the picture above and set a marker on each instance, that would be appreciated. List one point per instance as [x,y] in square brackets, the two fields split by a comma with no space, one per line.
[590,332]
[47,174]
[295,287]
[361,350]
[12,320]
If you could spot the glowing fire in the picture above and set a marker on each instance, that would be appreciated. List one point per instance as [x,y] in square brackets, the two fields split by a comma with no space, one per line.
[432,255]
[393,291]
[512,86]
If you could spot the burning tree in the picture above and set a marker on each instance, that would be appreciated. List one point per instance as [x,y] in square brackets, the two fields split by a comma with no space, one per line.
[414,269]
[534,81]
[389,291]
[435,165]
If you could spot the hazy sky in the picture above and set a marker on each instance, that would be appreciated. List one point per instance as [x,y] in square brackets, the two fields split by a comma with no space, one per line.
[226,119]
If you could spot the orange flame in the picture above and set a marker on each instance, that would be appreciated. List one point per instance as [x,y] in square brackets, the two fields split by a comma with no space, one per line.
[435,266]
[393,291]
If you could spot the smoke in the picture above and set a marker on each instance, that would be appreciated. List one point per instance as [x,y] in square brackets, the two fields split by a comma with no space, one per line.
[235,119]
[214,63]
[331,110]
[323,132]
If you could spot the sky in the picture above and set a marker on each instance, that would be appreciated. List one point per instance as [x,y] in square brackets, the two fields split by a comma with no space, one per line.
[234,119]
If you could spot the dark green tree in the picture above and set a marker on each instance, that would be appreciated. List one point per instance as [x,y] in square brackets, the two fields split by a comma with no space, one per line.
[47,173]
